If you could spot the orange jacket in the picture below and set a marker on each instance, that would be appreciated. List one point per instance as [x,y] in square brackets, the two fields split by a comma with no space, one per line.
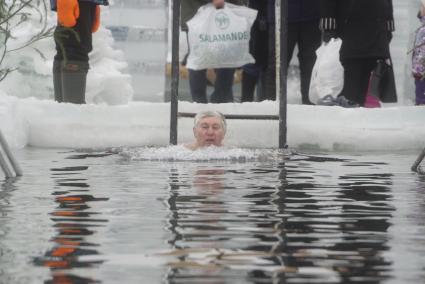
[69,11]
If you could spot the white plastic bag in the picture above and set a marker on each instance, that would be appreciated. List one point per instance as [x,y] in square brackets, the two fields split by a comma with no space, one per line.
[327,77]
[219,38]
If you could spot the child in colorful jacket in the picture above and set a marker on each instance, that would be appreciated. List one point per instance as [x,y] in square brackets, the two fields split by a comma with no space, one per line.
[77,20]
[418,60]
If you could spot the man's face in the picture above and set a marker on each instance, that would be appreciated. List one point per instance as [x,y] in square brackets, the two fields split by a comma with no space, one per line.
[209,131]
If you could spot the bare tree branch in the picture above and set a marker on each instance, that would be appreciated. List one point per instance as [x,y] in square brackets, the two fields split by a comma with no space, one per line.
[14,13]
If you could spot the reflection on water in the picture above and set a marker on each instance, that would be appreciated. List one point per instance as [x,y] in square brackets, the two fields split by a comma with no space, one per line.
[279,224]
[69,279]
[94,218]
[73,222]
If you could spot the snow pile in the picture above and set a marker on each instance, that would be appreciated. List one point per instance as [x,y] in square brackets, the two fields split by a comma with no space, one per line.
[12,122]
[106,82]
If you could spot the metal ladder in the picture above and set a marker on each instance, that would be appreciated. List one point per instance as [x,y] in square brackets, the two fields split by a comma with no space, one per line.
[417,165]
[282,58]
[8,163]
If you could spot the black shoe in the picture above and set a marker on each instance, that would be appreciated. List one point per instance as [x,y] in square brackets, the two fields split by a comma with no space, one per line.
[308,103]
[344,102]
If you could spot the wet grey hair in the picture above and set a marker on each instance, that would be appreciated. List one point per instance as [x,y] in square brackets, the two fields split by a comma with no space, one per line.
[210,113]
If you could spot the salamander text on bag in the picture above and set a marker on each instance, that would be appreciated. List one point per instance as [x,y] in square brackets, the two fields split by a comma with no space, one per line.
[224,37]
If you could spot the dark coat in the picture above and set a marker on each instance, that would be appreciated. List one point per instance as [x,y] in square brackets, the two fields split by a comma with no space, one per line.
[364,26]
[190,7]
[259,42]
[75,43]
[303,10]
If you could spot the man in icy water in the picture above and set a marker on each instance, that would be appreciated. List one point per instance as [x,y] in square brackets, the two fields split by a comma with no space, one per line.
[209,130]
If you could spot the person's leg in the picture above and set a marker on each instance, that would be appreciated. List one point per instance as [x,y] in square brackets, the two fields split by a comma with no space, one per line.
[309,41]
[198,85]
[57,82]
[74,76]
[250,77]
[420,91]
[259,46]
[223,87]
[268,74]
[249,82]
[57,65]
[292,39]
[69,75]
[356,78]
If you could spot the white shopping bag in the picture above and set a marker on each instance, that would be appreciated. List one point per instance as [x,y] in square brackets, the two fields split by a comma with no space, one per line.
[219,38]
[327,77]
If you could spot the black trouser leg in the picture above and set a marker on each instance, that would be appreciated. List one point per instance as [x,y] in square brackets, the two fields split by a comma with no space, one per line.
[57,80]
[249,82]
[223,87]
[309,41]
[292,40]
[356,78]
[74,76]
[268,77]
[198,85]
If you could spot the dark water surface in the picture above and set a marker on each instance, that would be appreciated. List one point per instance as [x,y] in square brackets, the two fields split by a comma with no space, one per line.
[96,217]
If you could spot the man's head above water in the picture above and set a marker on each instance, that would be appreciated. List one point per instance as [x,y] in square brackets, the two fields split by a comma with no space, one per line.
[209,129]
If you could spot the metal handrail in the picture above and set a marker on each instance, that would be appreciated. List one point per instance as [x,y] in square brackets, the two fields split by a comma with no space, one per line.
[5,167]
[416,166]
[8,162]
[235,116]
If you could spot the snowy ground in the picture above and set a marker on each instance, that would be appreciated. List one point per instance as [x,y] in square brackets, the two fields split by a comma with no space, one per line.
[43,123]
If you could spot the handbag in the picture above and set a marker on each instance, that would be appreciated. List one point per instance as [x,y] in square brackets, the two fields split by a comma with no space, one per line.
[219,38]
[327,76]
[382,82]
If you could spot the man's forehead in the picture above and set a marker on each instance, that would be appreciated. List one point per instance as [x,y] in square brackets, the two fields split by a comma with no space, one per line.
[211,119]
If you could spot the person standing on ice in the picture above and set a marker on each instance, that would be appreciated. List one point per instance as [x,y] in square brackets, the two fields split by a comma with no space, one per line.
[303,31]
[261,75]
[365,27]
[77,20]
[209,129]
[223,86]
[418,58]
